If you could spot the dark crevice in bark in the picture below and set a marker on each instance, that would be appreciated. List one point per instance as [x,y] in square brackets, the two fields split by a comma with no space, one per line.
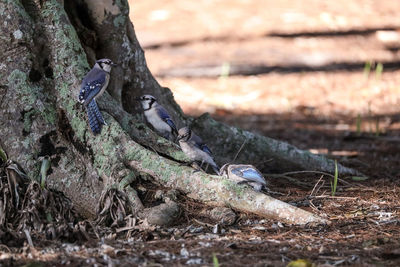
[34,75]
[68,133]
[48,71]
[26,115]
[31,8]
[78,14]
[40,61]
[47,147]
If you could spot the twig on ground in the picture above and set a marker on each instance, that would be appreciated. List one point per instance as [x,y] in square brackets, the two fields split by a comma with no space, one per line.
[28,238]
[326,196]
[203,223]
[6,247]
[315,186]
[240,149]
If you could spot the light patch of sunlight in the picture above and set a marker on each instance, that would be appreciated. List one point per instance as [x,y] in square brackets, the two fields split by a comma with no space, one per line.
[388,36]
[326,17]
[315,58]
[293,17]
[185,93]
[159,15]
[341,153]
[229,101]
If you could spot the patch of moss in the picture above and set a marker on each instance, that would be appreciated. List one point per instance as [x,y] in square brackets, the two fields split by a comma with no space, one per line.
[80,127]
[232,186]
[119,20]
[32,97]
[17,80]
[28,120]
[50,115]
[20,8]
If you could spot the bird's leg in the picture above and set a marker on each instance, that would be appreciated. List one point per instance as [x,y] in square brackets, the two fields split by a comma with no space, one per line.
[242,182]
[196,167]
[206,170]
[190,163]
[166,135]
[265,189]
[201,165]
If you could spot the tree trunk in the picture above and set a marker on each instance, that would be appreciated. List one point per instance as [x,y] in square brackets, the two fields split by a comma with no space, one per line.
[45,50]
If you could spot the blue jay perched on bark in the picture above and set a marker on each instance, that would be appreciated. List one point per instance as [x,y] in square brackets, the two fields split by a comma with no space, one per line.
[244,174]
[195,148]
[157,116]
[93,86]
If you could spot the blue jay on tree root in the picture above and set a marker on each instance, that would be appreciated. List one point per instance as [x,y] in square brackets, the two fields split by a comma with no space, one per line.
[241,173]
[157,116]
[93,86]
[195,148]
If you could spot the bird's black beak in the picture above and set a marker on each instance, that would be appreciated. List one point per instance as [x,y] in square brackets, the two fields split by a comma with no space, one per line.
[138,99]
[114,64]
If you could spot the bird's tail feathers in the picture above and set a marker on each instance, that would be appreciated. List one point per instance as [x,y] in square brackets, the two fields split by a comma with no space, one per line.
[216,168]
[96,120]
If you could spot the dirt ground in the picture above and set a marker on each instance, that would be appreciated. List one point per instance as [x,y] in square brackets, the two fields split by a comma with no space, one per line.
[307,72]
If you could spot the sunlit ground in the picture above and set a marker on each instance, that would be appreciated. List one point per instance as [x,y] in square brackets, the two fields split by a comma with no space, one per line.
[192,35]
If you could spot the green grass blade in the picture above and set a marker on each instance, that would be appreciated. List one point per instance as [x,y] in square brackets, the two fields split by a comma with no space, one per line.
[367,68]
[225,69]
[3,155]
[358,124]
[43,171]
[215,260]
[378,70]
[335,179]
[359,178]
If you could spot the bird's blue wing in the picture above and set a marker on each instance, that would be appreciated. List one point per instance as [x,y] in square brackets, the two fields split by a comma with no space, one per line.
[165,117]
[91,86]
[198,142]
[249,173]
[205,148]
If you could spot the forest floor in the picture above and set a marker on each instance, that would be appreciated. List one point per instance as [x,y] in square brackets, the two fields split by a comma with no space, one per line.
[306,72]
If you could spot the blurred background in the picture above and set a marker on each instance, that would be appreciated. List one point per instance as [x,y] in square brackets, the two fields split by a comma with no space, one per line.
[312,72]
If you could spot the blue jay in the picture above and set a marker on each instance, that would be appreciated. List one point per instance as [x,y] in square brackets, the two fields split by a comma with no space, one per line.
[93,86]
[195,149]
[244,174]
[157,116]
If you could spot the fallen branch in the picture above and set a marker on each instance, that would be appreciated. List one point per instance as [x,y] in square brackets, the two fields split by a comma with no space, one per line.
[216,190]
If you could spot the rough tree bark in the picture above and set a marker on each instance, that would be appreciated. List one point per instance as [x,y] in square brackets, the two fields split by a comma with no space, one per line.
[45,50]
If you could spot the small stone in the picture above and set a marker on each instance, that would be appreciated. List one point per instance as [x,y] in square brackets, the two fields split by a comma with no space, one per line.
[223,215]
[164,214]
[172,194]
[184,253]
[159,195]
[215,229]
[194,230]
[194,261]
[18,34]
[260,228]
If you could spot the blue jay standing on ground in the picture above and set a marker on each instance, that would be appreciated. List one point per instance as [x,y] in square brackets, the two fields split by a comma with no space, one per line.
[244,174]
[93,86]
[194,148]
[157,116]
